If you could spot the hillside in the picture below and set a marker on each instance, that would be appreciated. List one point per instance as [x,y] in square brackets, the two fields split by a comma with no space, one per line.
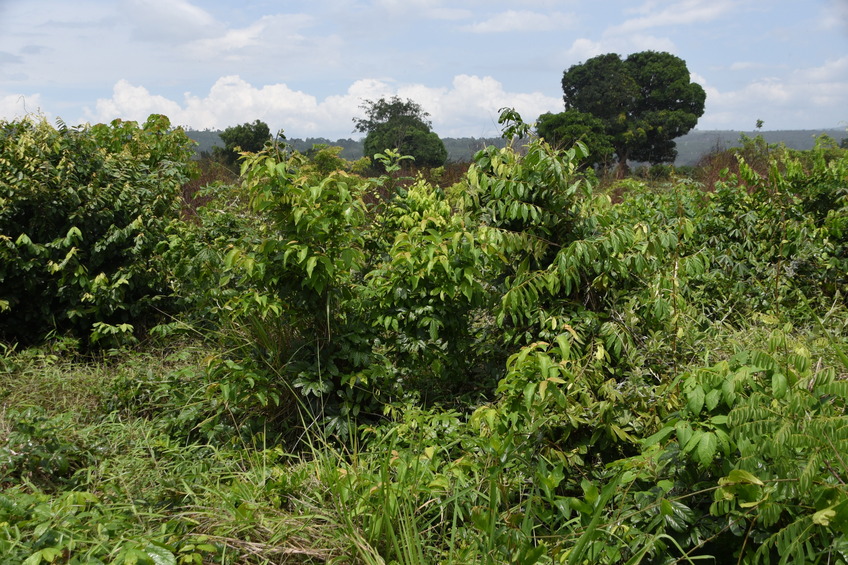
[692,146]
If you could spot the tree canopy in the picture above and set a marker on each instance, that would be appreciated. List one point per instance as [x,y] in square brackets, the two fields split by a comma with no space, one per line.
[641,103]
[245,137]
[564,129]
[401,125]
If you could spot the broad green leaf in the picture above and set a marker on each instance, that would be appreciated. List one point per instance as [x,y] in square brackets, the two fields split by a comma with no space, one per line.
[728,391]
[310,265]
[695,400]
[657,437]
[712,399]
[739,476]
[779,385]
[160,555]
[590,491]
[706,448]
[684,433]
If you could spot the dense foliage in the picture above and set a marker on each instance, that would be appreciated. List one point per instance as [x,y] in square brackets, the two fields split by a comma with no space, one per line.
[83,212]
[250,137]
[638,105]
[520,368]
[567,128]
[401,126]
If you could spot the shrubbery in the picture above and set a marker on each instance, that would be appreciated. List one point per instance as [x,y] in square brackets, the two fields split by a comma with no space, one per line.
[84,211]
[511,369]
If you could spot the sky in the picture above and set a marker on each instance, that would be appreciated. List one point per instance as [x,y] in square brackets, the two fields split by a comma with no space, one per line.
[307,66]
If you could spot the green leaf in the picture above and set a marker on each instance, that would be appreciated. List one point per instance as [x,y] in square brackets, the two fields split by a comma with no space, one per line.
[529,391]
[728,391]
[310,265]
[779,385]
[823,517]
[706,448]
[657,437]
[712,399]
[590,491]
[23,239]
[739,476]
[684,433]
[696,400]
[160,555]
[676,514]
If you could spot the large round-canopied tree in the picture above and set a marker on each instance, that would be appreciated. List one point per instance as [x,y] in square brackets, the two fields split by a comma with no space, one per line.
[644,102]
[401,125]
[246,137]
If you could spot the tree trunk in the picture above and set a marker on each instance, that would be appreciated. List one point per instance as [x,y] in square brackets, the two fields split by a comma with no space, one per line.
[622,170]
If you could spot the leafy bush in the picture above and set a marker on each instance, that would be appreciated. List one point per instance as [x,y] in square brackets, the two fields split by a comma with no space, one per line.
[41,449]
[84,211]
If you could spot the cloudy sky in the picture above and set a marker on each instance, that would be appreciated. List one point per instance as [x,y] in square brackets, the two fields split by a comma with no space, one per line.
[306,65]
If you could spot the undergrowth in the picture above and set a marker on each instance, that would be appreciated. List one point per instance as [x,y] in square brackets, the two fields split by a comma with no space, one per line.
[517,368]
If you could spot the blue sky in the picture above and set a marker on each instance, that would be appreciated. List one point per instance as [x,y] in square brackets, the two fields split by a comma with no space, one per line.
[306,66]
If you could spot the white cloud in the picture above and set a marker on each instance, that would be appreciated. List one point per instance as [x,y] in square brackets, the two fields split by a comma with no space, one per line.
[173,21]
[133,103]
[14,106]
[523,20]
[745,66]
[835,15]
[582,49]
[468,108]
[684,12]
[830,71]
[806,98]
[231,40]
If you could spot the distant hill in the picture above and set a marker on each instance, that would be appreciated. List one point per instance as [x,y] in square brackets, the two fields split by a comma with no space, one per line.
[690,147]
[695,144]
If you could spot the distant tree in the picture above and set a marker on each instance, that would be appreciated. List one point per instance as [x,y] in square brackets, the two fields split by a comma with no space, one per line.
[644,101]
[401,125]
[844,143]
[564,129]
[325,158]
[246,137]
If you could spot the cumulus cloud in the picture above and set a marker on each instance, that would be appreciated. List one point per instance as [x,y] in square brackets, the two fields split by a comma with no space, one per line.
[14,106]
[469,107]
[805,98]
[523,20]
[133,103]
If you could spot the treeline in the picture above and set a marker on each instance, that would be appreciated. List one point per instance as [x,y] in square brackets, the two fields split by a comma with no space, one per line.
[690,147]
[460,149]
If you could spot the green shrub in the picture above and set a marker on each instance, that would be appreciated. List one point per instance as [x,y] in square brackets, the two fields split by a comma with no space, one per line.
[83,213]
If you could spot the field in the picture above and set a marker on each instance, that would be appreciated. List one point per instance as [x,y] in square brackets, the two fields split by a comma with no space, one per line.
[308,365]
